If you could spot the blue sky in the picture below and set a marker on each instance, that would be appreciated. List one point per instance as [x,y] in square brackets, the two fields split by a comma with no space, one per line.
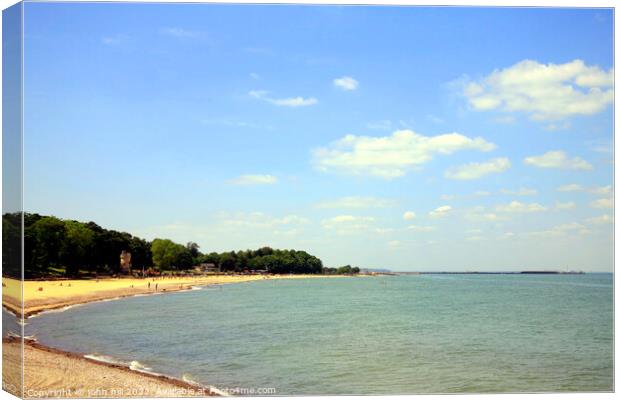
[392,137]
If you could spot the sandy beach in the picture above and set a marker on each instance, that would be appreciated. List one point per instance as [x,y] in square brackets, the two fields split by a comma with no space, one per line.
[47,295]
[56,373]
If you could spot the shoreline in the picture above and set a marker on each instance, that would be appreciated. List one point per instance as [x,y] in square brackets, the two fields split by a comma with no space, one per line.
[43,363]
[96,290]
[83,369]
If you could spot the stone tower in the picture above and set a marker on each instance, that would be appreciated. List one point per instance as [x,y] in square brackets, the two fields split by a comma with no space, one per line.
[125,262]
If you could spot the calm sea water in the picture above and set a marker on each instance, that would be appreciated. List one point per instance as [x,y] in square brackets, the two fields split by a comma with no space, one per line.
[386,335]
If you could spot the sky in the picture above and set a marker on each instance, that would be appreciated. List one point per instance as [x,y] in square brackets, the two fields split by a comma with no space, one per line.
[407,138]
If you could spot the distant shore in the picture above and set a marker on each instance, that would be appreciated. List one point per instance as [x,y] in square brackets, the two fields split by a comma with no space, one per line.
[39,296]
[50,373]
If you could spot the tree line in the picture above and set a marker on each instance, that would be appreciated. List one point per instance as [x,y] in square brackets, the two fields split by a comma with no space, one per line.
[53,246]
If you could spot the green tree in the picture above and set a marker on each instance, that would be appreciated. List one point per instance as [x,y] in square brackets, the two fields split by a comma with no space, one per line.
[46,239]
[12,244]
[79,239]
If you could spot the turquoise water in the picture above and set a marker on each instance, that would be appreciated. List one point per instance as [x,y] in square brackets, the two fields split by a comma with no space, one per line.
[384,335]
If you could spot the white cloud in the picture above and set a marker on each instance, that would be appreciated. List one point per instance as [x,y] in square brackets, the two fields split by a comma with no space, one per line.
[254,75]
[260,220]
[408,215]
[391,156]
[518,207]
[602,203]
[562,230]
[394,243]
[285,102]
[600,220]
[601,190]
[519,192]
[346,83]
[440,212]
[565,206]
[357,202]
[573,187]
[557,159]
[477,193]
[479,213]
[254,180]
[554,127]
[346,224]
[544,91]
[418,228]
[477,170]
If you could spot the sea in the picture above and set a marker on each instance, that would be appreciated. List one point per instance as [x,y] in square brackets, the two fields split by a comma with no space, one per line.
[447,333]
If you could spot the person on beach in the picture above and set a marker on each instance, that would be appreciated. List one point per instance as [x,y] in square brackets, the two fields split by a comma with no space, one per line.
[157,284]
[149,285]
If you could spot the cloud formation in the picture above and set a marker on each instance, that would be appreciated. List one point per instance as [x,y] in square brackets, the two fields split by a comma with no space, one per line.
[347,224]
[418,228]
[391,156]
[600,220]
[284,102]
[260,220]
[565,206]
[346,83]
[602,203]
[544,91]
[478,170]
[519,192]
[518,207]
[440,212]
[408,215]
[562,230]
[557,159]
[358,202]
[254,180]
[574,187]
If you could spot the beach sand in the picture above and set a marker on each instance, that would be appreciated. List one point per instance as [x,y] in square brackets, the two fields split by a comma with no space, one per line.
[46,295]
[54,373]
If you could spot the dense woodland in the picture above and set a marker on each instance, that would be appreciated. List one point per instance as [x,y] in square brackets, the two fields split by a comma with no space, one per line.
[53,246]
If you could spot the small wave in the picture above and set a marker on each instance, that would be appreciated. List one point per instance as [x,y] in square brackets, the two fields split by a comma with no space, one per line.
[190,379]
[106,300]
[54,310]
[105,359]
[9,311]
[137,366]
